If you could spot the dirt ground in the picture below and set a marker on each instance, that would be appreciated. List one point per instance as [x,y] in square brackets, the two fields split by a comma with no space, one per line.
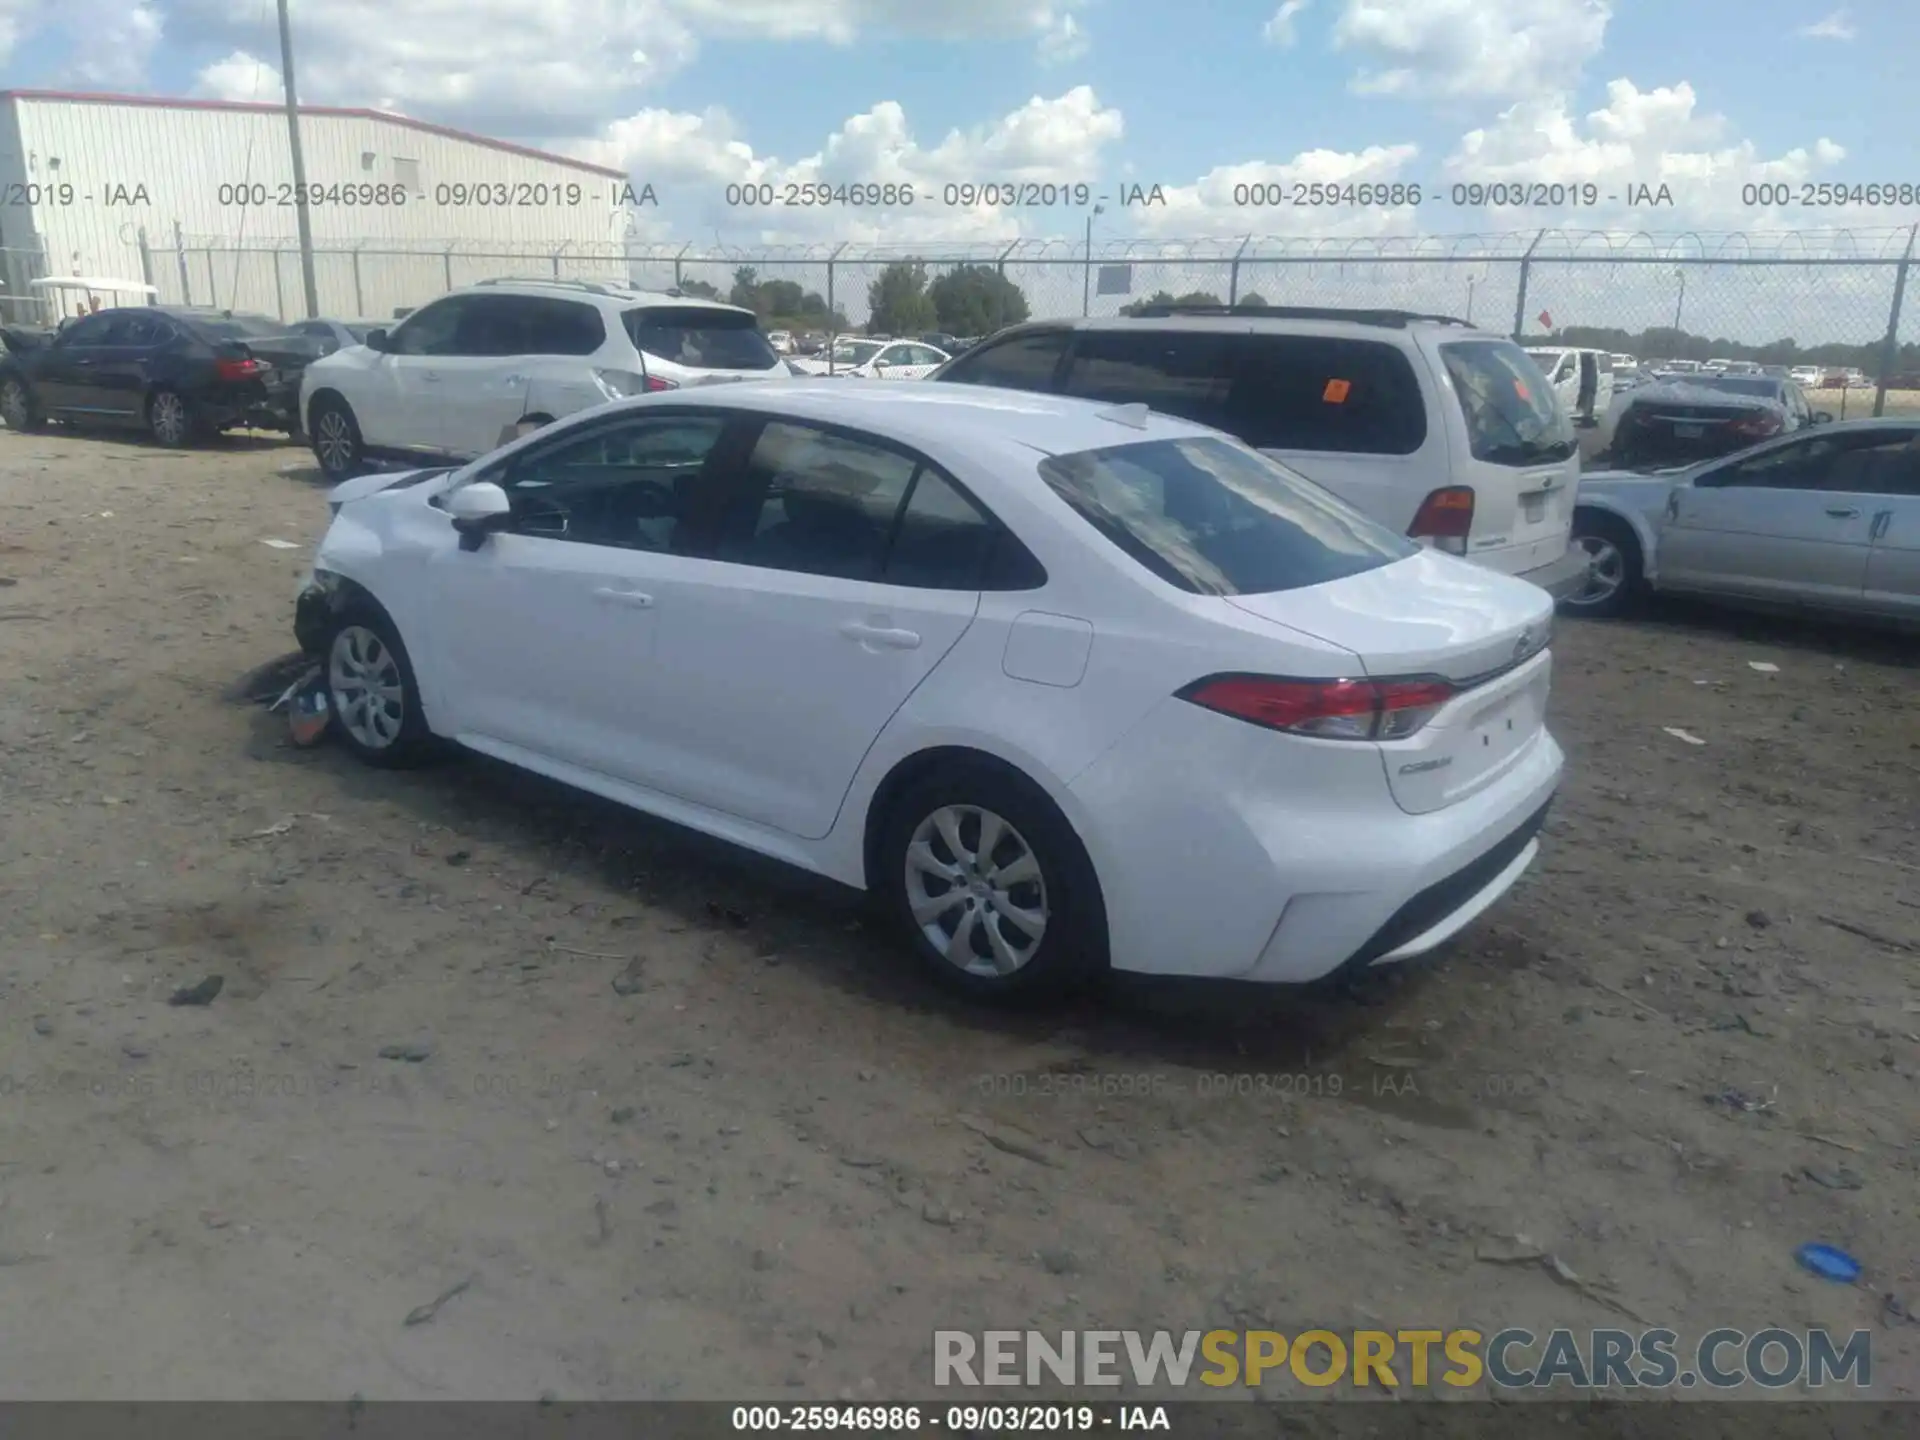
[769,1161]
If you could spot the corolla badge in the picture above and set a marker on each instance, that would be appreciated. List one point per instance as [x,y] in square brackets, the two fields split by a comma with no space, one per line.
[1526,644]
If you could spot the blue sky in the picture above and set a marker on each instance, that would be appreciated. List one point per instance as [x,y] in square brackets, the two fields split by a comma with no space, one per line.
[1701,95]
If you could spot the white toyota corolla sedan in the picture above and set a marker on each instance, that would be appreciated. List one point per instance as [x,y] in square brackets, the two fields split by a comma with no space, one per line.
[1069,686]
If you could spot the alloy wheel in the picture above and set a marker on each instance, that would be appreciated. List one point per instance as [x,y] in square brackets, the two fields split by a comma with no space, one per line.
[369,697]
[168,414]
[333,439]
[1607,572]
[976,891]
[15,408]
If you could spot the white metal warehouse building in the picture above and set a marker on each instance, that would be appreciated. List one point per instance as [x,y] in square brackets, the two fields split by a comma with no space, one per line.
[195,197]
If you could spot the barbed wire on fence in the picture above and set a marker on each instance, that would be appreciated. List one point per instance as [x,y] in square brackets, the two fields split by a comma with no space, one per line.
[1755,288]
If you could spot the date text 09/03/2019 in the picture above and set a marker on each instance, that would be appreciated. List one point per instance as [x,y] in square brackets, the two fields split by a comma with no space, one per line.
[966,195]
[458,194]
[950,1419]
[1474,195]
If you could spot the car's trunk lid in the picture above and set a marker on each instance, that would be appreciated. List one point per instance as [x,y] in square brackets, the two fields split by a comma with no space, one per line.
[1431,615]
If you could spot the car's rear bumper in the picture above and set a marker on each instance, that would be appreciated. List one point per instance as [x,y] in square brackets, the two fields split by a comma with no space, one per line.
[1229,852]
[1563,577]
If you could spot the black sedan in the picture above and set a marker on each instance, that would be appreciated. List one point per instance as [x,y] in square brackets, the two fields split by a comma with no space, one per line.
[1681,420]
[177,372]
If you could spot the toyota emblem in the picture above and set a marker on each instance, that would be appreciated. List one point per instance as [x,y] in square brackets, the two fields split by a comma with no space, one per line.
[1523,647]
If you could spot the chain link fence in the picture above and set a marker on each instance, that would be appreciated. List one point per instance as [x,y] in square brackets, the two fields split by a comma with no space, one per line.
[1831,297]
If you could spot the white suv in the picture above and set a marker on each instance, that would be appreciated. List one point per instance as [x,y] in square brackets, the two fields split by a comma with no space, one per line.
[1450,435]
[474,367]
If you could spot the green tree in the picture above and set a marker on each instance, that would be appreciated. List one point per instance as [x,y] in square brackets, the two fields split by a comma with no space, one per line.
[976,300]
[898,300]
[1256,300]
[1159,297]
[746,289]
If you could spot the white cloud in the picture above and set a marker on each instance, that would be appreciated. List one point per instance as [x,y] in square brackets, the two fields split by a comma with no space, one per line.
[692,158]
[15,23]
[1463,48]
[1225,201]
[546,69]
[1640,137]
[111,41]
[1280,30]
[240,76]
[1837,26]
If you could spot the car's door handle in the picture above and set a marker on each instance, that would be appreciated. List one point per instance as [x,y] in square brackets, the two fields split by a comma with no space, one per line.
[632,599]
[1840,512]
[881,636]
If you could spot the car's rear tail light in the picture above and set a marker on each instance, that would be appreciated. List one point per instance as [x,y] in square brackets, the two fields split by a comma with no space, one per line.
[655,384]
[1445,519]
[1325,709]
[624,382]
[237,369]
[1756,426]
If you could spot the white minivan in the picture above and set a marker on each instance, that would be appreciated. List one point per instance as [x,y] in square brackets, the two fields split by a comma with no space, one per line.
[1449,434]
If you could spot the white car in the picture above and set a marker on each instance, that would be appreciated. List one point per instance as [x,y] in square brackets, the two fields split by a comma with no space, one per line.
[460,373]
[1071,686]
[876,360]
[781,340]
[1809,376]
[1583,379]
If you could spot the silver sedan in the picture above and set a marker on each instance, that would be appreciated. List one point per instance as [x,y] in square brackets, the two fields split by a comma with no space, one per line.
[1825,520]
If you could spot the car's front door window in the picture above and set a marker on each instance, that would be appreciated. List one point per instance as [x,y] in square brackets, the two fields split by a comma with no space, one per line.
[434,330]
[631,484]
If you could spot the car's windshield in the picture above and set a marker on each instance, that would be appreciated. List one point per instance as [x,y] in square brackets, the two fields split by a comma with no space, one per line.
[1215,518]
[1511,415]
[701,337]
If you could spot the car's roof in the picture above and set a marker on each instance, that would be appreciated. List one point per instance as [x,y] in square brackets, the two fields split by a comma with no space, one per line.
[925,414]
[612,291]
[1358,324]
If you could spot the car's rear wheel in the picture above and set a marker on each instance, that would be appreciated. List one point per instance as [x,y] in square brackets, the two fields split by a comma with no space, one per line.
[170,419]
[17,407]
[372,695]
[991,885]
[336,439]
[1616,576]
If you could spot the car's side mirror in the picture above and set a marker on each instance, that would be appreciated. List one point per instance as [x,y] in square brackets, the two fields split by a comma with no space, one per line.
[478,510]
[1823,417]
[376,340]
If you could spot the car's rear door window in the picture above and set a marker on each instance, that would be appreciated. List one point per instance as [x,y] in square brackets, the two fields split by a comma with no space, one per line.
[1020,362]
[1326,393]
[700,338]
[1215,518]
[1511,416]
[1188,373]
[817,501]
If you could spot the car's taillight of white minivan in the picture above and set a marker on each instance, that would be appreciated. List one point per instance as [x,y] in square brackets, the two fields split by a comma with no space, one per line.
[1445,519]
[1325,709]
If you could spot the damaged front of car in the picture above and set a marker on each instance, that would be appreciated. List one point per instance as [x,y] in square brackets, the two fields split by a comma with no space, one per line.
[337,575]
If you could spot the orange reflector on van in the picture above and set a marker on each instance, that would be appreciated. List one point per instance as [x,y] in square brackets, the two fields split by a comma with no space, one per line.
[1337,391]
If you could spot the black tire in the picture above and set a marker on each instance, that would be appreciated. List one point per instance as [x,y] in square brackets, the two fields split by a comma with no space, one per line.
[18,409]
[361,646]
[1070,952]
[170,419]
[335,436]
[1619,575]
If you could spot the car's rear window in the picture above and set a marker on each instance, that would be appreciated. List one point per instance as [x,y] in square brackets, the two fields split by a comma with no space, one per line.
[1743,385]
[701,339]
[238,326]
[1508,404]
[1215,518]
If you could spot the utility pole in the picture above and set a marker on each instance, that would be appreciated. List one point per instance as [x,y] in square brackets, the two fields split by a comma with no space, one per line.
[299,168]
[1086,279]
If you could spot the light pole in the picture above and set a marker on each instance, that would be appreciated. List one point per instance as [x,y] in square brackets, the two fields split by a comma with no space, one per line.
[304,220]
[1678,303]
[1086,285]
[1472,280]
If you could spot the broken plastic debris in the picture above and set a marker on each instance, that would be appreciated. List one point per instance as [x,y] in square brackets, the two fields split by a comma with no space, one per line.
[1679,734]
[307,717]
[1765,667]
[1828,1263]
[280,544]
